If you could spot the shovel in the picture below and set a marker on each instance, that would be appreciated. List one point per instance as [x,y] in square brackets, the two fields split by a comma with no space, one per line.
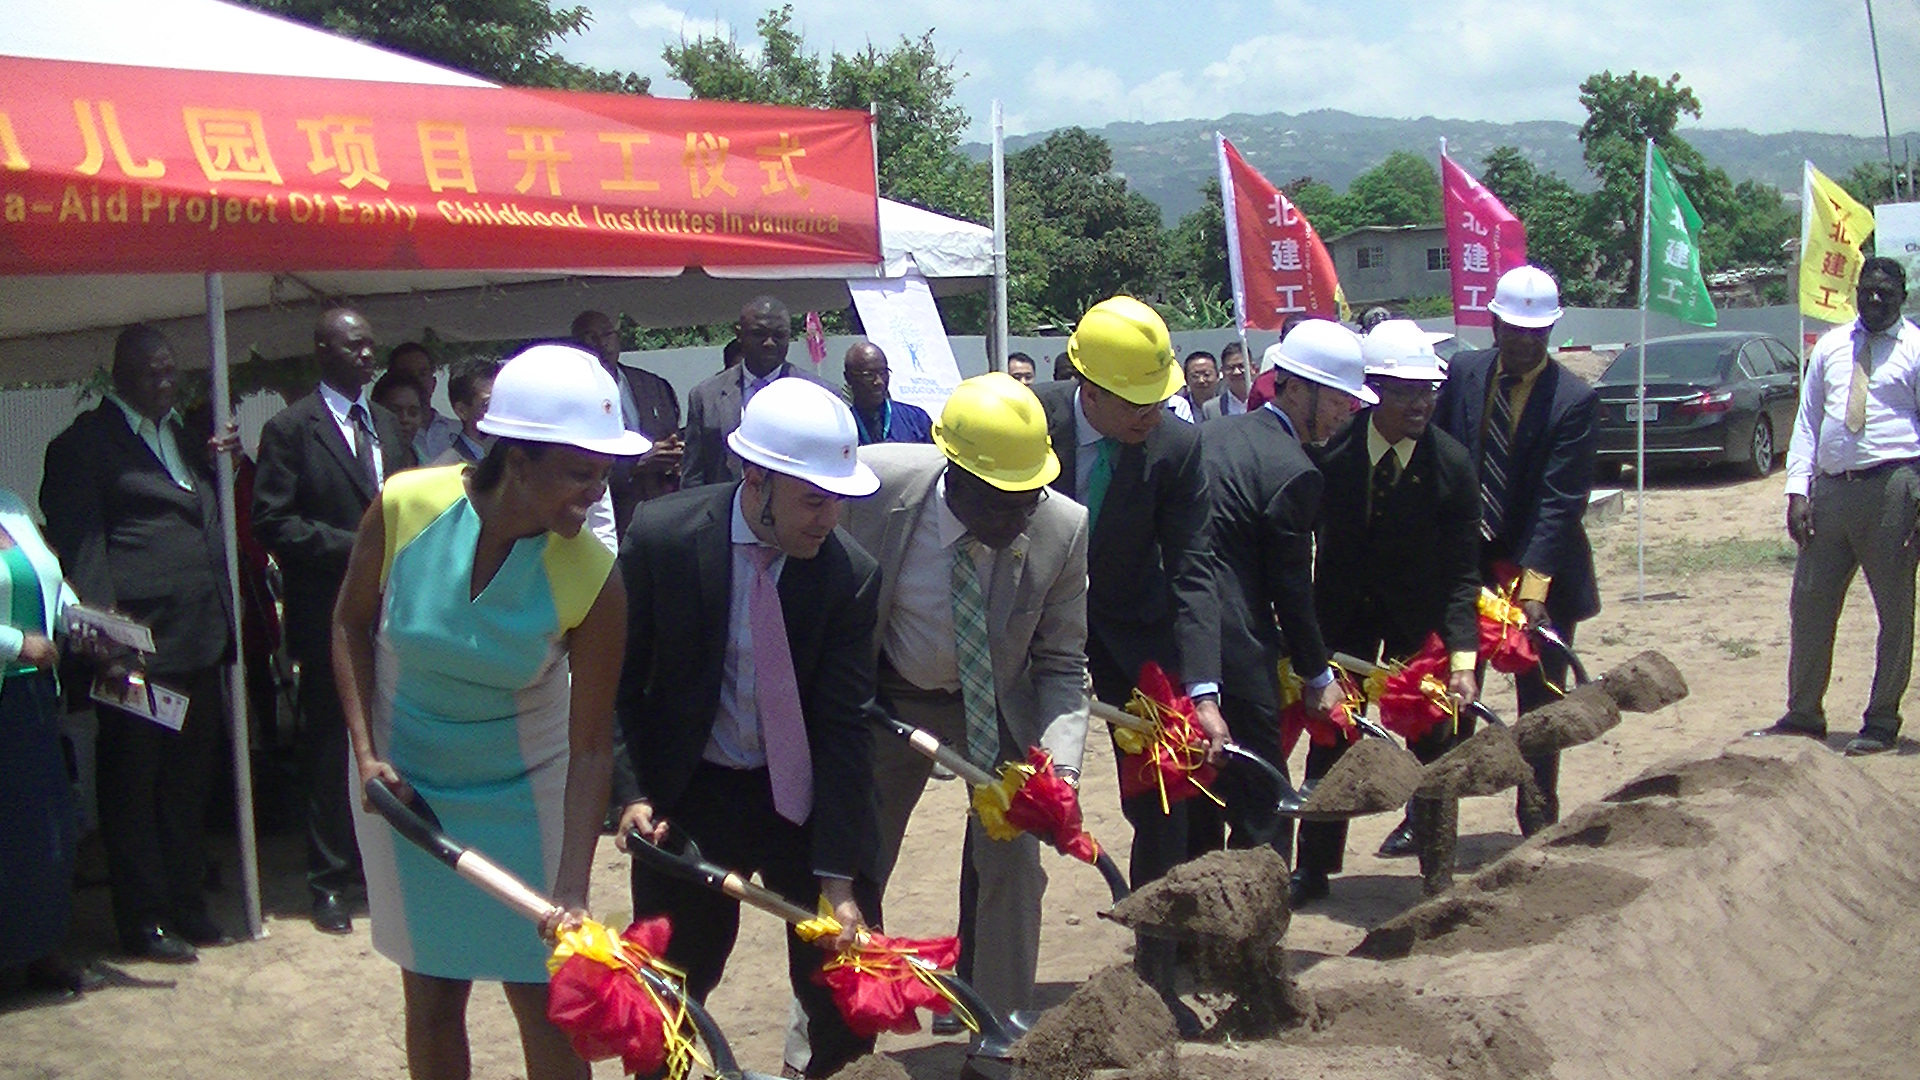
[679,856]
[926,743]
[413,819]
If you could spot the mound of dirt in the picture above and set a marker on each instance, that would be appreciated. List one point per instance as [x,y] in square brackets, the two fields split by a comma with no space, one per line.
[1586,713]
[1113,1021]
[1372,777]
[1488,762]
[873,1067]
[1647,683]
[1237,897]
[1717,916]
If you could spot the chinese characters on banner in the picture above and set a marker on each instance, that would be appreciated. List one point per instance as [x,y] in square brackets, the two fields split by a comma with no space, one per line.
[1278,264]
[114,169]
[1673,282]
[1832,228]
[1484,240]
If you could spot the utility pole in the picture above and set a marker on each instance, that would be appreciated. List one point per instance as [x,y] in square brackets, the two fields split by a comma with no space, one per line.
[1886,128]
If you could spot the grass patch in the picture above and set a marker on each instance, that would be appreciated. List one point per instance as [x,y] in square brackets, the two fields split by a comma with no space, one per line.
[1681,557]
[1737,648]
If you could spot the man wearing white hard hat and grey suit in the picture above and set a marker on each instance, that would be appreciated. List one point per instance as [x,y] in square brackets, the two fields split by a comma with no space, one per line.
[1528,422]
[746,699]
[1266,501]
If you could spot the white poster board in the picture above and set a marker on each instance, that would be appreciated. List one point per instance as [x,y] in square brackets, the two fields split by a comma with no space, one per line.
[1896,234]
[900,317]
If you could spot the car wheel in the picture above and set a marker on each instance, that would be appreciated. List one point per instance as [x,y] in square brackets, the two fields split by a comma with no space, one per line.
[1759,459]
[1607,472]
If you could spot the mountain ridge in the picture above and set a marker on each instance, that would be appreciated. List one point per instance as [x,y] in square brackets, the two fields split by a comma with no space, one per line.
[1168,161]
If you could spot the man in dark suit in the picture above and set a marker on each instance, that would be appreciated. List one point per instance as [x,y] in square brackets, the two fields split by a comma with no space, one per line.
[1150,582]
[131,509]
[649,406]
[713,407]
[746,702]
[322,460]
[1266,498]
[1528,423]
[1399,551]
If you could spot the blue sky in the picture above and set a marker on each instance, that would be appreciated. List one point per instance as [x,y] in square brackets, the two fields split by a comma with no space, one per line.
[1769,67]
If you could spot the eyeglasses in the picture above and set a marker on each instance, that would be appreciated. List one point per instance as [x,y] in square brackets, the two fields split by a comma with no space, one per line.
[1405,389]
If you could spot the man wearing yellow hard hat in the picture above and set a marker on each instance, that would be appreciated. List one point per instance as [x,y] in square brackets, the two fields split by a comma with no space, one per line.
[1150,591]
[981,639]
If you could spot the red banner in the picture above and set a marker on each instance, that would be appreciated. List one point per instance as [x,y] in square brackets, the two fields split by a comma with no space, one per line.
[1278,264]
[117,169]
[1484,240]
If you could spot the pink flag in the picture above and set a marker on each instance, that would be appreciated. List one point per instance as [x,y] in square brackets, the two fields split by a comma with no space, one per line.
[1484,241]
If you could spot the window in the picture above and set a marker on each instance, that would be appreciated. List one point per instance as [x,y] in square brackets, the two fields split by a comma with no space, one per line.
[1439,258]
[1372,257]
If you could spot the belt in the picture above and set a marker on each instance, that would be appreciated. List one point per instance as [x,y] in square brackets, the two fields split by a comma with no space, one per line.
[1873,470]
[892,684]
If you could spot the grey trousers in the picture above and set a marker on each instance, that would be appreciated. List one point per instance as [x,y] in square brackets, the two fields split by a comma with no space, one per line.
[1865,523]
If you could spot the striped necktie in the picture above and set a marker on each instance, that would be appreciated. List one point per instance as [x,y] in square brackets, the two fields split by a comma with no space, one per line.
[1494,461]
[974,658]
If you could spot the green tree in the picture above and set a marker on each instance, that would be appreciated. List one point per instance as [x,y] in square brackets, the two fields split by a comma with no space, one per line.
[1402,190]
[508,41]
[1075,234]
[1330,212]
[1555,217]
[1196,246]
[1759,235]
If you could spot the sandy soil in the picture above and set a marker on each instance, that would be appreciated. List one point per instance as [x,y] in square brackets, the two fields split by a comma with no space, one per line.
[299,1004]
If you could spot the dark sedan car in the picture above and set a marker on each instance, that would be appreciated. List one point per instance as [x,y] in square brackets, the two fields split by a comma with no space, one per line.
[1723,396]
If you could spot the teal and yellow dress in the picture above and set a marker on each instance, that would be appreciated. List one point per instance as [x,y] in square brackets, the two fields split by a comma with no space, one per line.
[470,706]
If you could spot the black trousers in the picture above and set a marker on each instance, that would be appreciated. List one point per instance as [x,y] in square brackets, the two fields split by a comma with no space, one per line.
[1249,796]
[1159,838]
[333,854]
[153,785]
[1538,804]
[730,813]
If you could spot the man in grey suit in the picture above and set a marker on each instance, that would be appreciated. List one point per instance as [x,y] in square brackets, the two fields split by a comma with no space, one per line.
[713,407]
[981,640]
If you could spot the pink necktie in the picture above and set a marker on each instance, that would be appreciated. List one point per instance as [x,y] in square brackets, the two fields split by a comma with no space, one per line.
[783,733]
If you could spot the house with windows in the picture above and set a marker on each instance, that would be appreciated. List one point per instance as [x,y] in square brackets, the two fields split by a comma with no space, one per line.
[1392,264]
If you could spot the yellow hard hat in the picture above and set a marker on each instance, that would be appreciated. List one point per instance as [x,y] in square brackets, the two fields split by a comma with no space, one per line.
[995,428]
[1122,346]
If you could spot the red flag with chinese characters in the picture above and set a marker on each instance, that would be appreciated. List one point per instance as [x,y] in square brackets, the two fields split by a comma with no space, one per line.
[1278,264]
[1484,240]
[115,169]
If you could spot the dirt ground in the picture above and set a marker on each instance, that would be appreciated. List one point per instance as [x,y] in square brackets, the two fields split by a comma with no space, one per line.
[299,1004]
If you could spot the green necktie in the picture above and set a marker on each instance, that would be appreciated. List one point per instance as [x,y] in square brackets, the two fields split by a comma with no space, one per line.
[1100,478]
[975,659]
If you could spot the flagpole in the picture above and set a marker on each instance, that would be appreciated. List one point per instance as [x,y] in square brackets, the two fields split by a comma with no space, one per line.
[997,356]
[1236,274]
[1806,233]
[1640,382]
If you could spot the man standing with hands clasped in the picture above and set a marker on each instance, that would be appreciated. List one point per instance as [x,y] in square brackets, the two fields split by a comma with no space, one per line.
[746,700]
[1851,492]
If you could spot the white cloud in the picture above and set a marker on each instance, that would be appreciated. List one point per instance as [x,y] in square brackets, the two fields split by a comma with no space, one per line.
[674,24]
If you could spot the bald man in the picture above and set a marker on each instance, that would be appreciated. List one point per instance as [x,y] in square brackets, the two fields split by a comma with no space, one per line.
[649,406]
[870,390]
[764,331]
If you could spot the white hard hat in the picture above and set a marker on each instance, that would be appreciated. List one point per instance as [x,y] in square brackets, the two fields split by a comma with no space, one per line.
[1399,349]
[1324,352]
[560,394]
[1526,296]
[802,429]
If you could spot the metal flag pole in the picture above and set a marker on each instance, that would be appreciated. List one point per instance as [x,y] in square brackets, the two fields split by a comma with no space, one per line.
[1886,129]
[237,670]
[1640,384]
[1236,274]
[997,357]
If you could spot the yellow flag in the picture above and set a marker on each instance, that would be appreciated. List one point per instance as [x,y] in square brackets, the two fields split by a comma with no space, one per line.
[1832,228]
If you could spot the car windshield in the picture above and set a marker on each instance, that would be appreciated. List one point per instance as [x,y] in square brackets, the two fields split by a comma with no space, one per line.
[1680,361]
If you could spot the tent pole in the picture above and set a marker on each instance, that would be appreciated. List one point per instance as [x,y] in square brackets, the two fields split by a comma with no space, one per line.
[236,671]
[997,358]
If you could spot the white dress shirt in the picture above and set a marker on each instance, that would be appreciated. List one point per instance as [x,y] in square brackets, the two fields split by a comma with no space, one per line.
[1230,405]
[921,642]
[161,438]
[735,742]
[342,409]
[1821,440]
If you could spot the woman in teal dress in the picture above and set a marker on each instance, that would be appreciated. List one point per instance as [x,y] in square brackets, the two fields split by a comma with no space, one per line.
[477,642]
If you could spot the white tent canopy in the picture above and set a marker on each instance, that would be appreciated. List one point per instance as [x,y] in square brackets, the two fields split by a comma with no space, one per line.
[60,328]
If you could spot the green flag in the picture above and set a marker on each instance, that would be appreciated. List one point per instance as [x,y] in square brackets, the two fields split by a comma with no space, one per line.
[1671,279]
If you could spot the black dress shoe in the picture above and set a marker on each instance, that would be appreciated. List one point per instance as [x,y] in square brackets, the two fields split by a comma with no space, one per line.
[202,931]
[1399,843]
[1306,886]
[57,973]
[1782,727]
[1868,743]
[156,943]
[330,914]
[947,1024]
